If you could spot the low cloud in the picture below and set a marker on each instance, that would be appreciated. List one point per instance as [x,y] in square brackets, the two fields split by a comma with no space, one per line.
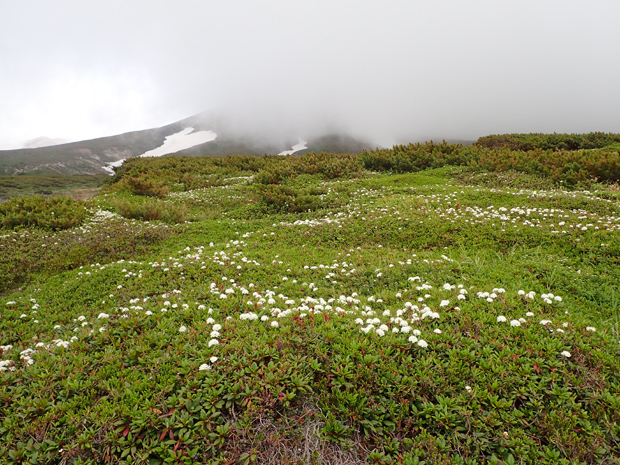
[390,71]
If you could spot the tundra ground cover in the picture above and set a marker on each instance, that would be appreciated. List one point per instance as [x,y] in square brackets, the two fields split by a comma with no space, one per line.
[410,318]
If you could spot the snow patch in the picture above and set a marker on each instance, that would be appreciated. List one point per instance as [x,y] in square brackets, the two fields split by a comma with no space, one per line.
[173,143]
[109,167]
[296,148]
[181,141]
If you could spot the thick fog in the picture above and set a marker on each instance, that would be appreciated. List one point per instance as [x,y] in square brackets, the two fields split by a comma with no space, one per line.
[392,71]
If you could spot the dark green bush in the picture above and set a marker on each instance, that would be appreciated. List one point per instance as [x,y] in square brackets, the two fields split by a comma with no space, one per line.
[146,186]
[535,141]
[326,165]
[151,210]
[285,199]
[26,255]
[191,172]
[50,214]
[415,157]
[565,167]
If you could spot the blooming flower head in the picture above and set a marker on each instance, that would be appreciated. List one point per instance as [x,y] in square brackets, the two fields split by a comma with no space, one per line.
[566,353]
[182,329]
[501,319]
[515,323]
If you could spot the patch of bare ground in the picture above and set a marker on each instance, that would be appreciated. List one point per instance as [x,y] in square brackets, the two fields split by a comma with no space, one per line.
[271,442]
[85,194]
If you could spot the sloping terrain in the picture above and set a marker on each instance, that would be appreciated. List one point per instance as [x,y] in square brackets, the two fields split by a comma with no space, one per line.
[92,156]
[431,304]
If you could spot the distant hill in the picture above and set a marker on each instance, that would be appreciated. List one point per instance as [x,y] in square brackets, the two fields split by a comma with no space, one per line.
[91,156]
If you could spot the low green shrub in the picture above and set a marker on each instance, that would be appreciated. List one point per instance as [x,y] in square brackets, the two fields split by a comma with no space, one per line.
[28,254]
[326,165]
[566,167]
[50,214]
[415,157]
[192,172]
[151,210]
[146,186]
[569,168]
[285,199]
[535,141]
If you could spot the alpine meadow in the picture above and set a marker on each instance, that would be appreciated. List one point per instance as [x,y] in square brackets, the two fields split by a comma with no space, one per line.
[430,303]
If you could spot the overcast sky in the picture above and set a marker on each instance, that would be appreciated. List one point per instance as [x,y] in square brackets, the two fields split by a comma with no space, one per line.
[390,70]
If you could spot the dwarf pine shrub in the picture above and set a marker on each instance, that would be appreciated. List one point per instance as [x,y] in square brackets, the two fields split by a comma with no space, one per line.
[51,214]
[549,141]
[151,210]
[146,186]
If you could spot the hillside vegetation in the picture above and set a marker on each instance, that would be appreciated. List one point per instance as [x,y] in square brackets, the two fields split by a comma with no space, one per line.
[425,304]
[55,185]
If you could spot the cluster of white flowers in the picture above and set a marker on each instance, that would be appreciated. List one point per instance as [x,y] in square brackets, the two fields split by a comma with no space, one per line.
[206,366]
[248,316]
[532,217]
[271,305]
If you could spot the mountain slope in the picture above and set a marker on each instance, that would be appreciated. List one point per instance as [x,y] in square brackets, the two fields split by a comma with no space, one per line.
[91,156]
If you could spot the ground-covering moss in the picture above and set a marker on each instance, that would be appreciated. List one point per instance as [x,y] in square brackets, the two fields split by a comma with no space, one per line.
[428,317]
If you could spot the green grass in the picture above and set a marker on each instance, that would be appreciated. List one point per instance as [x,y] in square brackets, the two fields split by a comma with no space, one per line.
[24,185]
[120,316]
